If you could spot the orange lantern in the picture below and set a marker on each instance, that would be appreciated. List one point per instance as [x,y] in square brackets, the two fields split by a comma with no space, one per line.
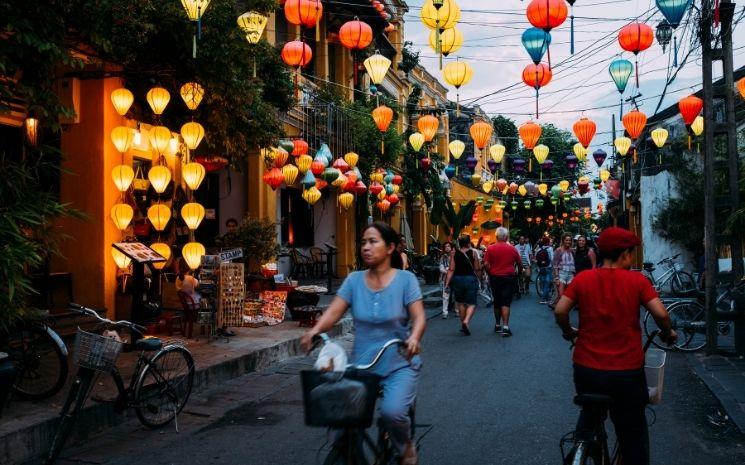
[384,205]
[481,132]
[741,87]
[296,53]
[537,76]
[529,133]
[274,178]
[584,129]
[547,14]
[306,13]
[299,147]
[689,108]
[428,125]
[634,122]
[635,38]
[383,116]
[355,35]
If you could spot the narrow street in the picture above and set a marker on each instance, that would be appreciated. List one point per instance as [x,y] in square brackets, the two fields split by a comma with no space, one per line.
[490,400]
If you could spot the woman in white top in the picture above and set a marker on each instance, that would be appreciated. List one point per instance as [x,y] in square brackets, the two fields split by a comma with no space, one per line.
[187,283]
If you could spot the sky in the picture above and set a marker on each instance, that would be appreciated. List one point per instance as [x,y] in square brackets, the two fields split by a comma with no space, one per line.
[492,32]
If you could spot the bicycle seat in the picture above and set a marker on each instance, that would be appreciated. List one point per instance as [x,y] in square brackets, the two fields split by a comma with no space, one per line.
[592,400]
[149,344]
[649,266]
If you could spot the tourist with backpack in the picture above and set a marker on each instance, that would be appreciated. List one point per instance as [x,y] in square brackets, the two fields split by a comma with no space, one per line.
[544,255]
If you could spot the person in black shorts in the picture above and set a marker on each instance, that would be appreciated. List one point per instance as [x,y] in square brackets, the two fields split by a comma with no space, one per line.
[501,259]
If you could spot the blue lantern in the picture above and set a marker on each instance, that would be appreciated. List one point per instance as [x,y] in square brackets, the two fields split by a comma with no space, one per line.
[309,180]
[620,71]
[673,10]
[471,162]
[536,42]
[450,171]
[466,176]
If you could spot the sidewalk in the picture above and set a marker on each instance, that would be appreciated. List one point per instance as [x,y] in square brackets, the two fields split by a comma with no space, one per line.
[725,378]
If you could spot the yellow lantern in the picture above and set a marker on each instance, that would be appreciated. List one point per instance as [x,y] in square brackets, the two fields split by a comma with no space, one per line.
[522,190]
[444,17]
[543,188]
[659,137]
[377,66]
[497,152]
[159,215]
[159,177]
[121,260]
[122,175]
[623,144]
[121,215]
[193,253]
[698,126]
[451,40]
[32,130]
[290,173]
[192,94]
[158,99]
[456,148]
[192,132]
[193,214]
[252,24]
[475,179]
[416,140]
[604,175]
[121,137]
[541,153]
[339,181]
[382,195]
[164,250]
[173,147]
[487,186]
[396,188]
[303,163]
[311,195]
[580,151]
[345,200]
[351,158]
[377,176]
[160,138]
[457,73]
[122,99]
[193,174]
[563,185]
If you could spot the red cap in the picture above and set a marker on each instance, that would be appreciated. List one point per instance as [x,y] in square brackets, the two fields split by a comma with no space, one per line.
[617,239]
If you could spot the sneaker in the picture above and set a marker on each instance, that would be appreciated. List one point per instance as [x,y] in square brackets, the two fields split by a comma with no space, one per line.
[464,329]
[497,328]
[444,316]
[506,332]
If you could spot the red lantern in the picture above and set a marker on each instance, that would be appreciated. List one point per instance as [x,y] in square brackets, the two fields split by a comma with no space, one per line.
[428,125]
[299,147]
[513,188]
[360,188]
[350,185]
[384,205]
[350,174]
[296,53]
[537,76]
[321,183]
[480,132]
[690,107]
[501,184]
[393,199]
[305,13]
[634,122]
[317,168]
[274,178]
[584,129]
[397,179]
[382,116]
[635,37]
[529,133]
[341,165]
[212,163]
[547,14]
[375,188]
[355,35]
[425,163]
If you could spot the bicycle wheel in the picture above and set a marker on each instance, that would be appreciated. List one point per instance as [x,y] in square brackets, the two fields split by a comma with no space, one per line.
[682,283]
[586,454]
[41,359]
[650,326]
[348,451]
[164,386]
[688,319]
[75,399]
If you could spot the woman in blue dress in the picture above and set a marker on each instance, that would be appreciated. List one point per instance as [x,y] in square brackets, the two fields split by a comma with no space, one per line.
[386,303]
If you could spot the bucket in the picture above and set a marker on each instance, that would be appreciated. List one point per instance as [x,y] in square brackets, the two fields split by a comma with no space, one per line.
[654,368]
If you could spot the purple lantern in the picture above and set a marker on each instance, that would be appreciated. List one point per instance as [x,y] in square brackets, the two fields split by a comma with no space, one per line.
[547,166]
[518,165]
[571,161]
[599,155]
[493,165]
[531,188]
[471,162]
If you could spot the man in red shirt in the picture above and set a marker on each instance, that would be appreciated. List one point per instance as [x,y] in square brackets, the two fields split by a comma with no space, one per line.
[608,357]
[500,260]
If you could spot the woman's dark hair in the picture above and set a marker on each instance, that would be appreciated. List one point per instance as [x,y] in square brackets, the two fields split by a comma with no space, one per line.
[183,268]
[587,244]
[447,243]
[464,241]
[390,237]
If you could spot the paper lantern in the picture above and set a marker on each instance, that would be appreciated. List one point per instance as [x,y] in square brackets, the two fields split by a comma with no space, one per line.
[634,122]
[496,152]
[305,13]
[481,133]
[159,177]
[475,179]
[604,175]
[416,140]
[698,126]
[377,66]
[522,190]
[122,99]
[311,195]
[659,137]
[383,205]
[529,133]
[543,188]
[299,147]
[425,163]
[280,157]
[541,152]
[360,188]
[296,54]
[427,125]
[622,145]
[487,186]
[158,99]
[580,151]
[121,137]
[31,126]
[192,133]
[192,213]
[518,165]
[547,14]
[159,215]
[456,148]
[290,172]
[309,180]
[252,24]
[471,162]
[164,250]
[446,16]
[620,71]
[536,42]
[457,73]
[274,178]
[449,171]
[537,76]
[193,253]
[121,215]
[160,139]
[193,174]
[689,108]
[584,129]
[382,115]
[571,162]
[377,176]
[563,185]
[673,10]
[341,165]
[303,163]
[351,158]
[192,94]
[451,40]
[340,181]
[635,37]
[355,35]
[345,200]
[317,167]
[546,167]
[121,260]
[123,175]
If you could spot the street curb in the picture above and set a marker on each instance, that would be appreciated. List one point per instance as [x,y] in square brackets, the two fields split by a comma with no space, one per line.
[30,443]
[724,396]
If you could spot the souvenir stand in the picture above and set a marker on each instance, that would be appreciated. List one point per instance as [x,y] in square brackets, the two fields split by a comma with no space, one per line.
[209,288]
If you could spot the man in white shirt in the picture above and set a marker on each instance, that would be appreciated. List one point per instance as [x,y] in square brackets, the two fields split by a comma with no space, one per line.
[526,256]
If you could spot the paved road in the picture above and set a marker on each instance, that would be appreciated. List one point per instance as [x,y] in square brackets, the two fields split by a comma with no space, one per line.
[491,400]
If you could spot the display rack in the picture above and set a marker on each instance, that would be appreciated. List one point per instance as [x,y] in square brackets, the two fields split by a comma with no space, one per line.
[231,295]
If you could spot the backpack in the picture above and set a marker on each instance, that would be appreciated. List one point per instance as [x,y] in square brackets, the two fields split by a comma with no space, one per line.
[542,258]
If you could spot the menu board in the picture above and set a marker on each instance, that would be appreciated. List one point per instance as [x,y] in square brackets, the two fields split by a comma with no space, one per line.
[139,252]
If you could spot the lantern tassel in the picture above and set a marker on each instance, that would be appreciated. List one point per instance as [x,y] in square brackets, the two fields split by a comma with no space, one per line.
[354,65]
[548,52]
[620,118]
[254,66]
[636,68]
[318,26]
[536,103]
[675,52]
[297,73]
[689,142]
[457,104]
[199,23]
[571,33]
[438,48]
[194,46]
[530,164]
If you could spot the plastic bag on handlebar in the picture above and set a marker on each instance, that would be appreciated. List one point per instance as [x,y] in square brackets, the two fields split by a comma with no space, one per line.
[332,357]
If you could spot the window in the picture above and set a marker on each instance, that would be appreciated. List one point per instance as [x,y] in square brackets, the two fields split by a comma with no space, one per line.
[297,219]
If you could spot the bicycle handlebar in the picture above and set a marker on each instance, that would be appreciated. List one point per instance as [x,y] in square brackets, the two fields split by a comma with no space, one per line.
[77,308]
[323,337]
[668,259]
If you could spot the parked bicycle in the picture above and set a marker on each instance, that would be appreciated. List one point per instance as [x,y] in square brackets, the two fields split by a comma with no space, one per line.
[546,280]
[673,277]
[159,387]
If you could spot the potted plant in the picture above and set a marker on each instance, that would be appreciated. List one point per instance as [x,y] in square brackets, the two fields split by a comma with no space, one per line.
[258,238]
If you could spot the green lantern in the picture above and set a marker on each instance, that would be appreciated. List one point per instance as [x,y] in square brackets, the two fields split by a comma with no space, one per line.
[539,203]
[514,205]
[527,204]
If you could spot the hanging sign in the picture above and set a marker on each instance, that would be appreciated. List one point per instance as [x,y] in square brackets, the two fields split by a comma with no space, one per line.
[231,254]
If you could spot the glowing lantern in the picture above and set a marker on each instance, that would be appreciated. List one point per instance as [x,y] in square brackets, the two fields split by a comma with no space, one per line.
[440,16]
[305,13]
[345,200]
[580,151]
[303,163]
[274,178]
[192,133]
[121,215]
[355,35]
[382,116]
[529,133]
[487,186]
[456,148]
[160,139]
[296,54]
[383,205]
[393,199]
[741,87]
[604,175]
[330,175]
[690,107]
[543,188]
[351,158]
[620,71]
[360,188]
[475,179]
[584,129]
[634,122]
[192,214]
[122,99]
[416,140]
[457,73]
[193,253]
[121,260]
[317,167]
[659,137]
[164,250]
[547,14]
[698,126]
[427,125]
[158,99]
[159,177]
[623,144]
[480,132]
[635,37]
[252,24]
[311,195]
[377,66]
[497,152]
[159,215]
[522,190]
[280,157]
[451,40]
[32,130]
[192,94]
[121,137]
[123,176]
[541,152]
[193,174]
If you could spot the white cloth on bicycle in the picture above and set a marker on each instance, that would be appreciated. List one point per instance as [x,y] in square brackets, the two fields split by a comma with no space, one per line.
[332,357]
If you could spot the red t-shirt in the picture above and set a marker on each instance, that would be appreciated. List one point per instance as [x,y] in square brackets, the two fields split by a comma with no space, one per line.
[501,258]
[609,330]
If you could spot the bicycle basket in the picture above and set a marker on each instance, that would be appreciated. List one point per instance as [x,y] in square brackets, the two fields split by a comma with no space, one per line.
[337,400]
[95,351]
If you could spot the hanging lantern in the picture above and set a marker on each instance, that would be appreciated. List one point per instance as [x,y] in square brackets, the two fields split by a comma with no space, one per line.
[121,137]
[416,140]
[303,163]
[584,129]
[193,174]
[305,13]
[280,157]
[377,175]
[121,215]
[299,147]
[341,165]
[635,38]
[457,73]
[475,179]
[622,144]
[543,188]
[427,125]
[355,35]
[583,186]
[546,168]
[122,175]
[698,126]
[340,181]
[536,42]
[329,175]
[529,133]
[663,34]
[309,180]
[192,94]
[537,76]
[673,10]
[164,250]
[194,11]
[481,133]
[425,163]
[360,188]
[501,184]
[252,24]
[634,122]
[158,99]
[383,205]
[487,187]
[659,137]
[492,165]
[377,66]
[471,162]
[290,172]
[159,215]
[496,152]
[121,260]
[689,108]
[547,15]
[317,167]
[345,200]
[620,70]
[541,152]
[456,148]
[31,126]
[599,156]
[274,178]
[449,171]
[393,199]
[351,158]
[518,165]
[563,185]
[451,40]
[522,190]
[192,213]
[296,54]
[580,151]
[311,195]
[527,204]
[571,162]
[159,177]
[192,133]
[604,175]
[440,18]
[160,139]
[376,188]
[382,116]
[193,253]
[122,99]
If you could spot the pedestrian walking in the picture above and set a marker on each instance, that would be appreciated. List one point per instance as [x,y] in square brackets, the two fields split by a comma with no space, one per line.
[563,264]
[544,256]
[463,281]
[447,252]
[501,260]
[584,256]
[401,248]
[608,356]
[526,256]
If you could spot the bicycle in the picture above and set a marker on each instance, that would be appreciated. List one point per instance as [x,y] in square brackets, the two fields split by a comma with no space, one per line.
[540,283]
[679,281]
[350,408]
[592,447]
[158,390]
[523,283]
[40,358]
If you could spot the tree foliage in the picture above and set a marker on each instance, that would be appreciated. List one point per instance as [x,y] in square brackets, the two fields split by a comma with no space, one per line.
[452,222]
[506,130]
[409,58]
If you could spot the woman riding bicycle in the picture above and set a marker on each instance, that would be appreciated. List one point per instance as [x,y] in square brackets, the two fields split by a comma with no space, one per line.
[383,299]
